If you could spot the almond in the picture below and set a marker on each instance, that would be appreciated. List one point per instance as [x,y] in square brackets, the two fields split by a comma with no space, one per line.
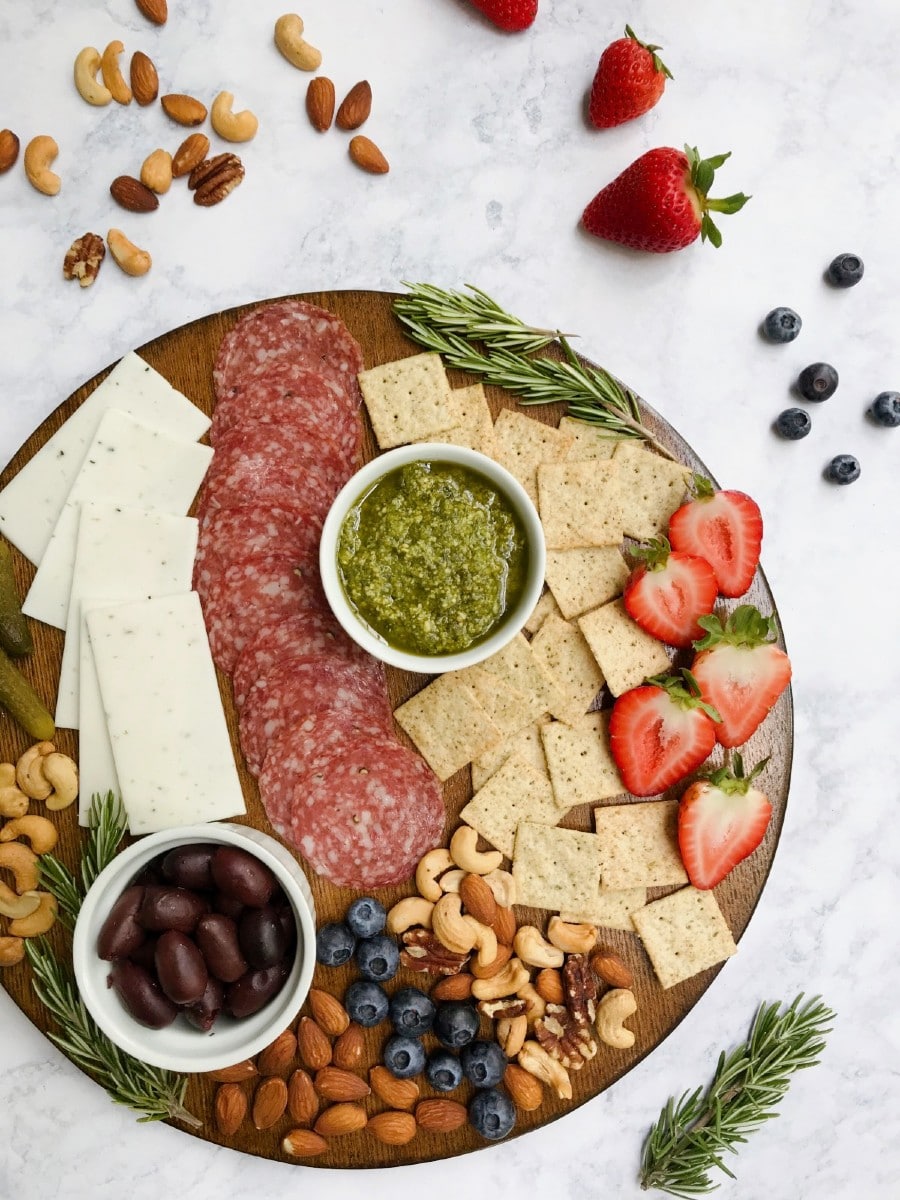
[440,1116]
[336,1084]
[185,110]
[367,156]
[269,1101]
[504,925]
[328,1012]
[303,1143]
[611,968]
[189,154]
[236,1074]
[278,1055]
[303,1103]
[9,150]
[548,985]
[314,1046]
[525,1091]
[495,966]
[156,11]
[355,107]
[320,103]
[478,899]
[398,1093]
[453,987]
[133,195]
[393,1128]
[144,79]
[340,1119]
[230,1108]
[349,1047]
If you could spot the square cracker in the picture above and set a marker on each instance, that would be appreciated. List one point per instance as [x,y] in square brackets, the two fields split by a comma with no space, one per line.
[517,792]
[542,610]
[555,868]
[579,761]
[626,654]
[560,648]
[447,725]
[408,400]
[652,488]
[610,910]
[521,444]
[511,685]
[639,845]
[585,577]
[590,441]
[525,745]
[683,933]
[580,504]
[473,425]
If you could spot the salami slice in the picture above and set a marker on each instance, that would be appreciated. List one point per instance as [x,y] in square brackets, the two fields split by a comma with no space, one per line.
[229,535]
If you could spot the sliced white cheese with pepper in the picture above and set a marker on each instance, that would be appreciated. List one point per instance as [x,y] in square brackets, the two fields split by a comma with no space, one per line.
[164,713]
[121,553]
[30,503]
[128,463]
[96,765]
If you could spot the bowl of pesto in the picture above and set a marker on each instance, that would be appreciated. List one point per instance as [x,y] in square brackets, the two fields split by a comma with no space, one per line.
[432,557]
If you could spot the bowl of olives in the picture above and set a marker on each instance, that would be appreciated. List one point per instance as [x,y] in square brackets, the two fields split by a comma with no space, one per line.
[195,947]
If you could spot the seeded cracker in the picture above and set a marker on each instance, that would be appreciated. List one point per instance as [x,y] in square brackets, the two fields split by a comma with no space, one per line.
[626,654]
[521,444]
[590,441]
[447,725]
[544,608]
[473,425]
[511,685]
[586,577]
[580,504]
[555,868]
[639,845]
[610,910]
[526,745]
[683,933]
[566,658]
[515,793]
[408,400]
[654,487]
[581,767]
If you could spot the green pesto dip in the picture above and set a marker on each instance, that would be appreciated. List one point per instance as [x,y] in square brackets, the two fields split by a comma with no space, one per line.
[432,557]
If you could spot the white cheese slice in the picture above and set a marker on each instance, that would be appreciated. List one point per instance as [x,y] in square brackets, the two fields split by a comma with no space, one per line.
[96,765]
[127,463]
[30,503]
[121,554]
[164,713]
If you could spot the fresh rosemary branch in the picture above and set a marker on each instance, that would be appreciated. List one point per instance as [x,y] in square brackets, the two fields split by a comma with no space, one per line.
[692,1134]
[107,821]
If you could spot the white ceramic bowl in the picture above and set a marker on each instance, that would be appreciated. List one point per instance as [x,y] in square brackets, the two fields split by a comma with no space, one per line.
[181,1047]
[351,492]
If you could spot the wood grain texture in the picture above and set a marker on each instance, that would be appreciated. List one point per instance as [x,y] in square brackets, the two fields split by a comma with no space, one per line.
[185,356]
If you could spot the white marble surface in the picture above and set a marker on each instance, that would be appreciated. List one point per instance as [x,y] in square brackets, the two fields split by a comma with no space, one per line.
[492,163]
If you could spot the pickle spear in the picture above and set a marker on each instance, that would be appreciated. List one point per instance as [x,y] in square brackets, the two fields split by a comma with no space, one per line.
[23,703]
[15,636]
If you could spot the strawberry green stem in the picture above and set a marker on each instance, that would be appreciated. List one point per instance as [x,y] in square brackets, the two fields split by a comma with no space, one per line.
[702,174]
[658,64]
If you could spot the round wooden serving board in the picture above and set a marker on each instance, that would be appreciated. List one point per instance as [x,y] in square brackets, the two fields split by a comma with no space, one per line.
[185,357]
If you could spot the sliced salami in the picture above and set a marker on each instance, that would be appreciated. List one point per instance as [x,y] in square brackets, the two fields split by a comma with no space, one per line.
[248,530]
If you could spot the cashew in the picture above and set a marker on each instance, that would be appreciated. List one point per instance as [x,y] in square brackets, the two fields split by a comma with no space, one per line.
[127,255]
[574,939]
[39,154]
[62,774]
[432,864]
[29,773]
[534,1059]
[12,905]
[533,949]
[451,927]
[451,880]
[40,832]
[289,40]
[485,942]
[13,801]
[613,1010]
[40,920]
[232,126]
[112,75]
[22,862]
[414,910]
[12,951]
[156,171]
[511,978]
[503,885]
[511,1033]
[87,64]
[536,1004]
[464,853]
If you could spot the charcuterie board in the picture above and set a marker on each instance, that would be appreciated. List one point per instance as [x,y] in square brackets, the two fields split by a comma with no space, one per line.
[185,358]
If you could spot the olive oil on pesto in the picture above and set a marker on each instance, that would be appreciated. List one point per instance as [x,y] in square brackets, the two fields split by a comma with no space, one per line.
[432,557]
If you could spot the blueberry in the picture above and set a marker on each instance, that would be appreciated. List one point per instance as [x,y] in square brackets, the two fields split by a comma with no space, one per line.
[885,409]
[412,1012]
[845,270]
[483,1063]
[818,381]
[443,1071]
[366,1003]
[782,325]
[492,1114]
[404,1056]
[455,1023]
[334,944]
[843,468]
[377,957]
[793,423]
[365,917]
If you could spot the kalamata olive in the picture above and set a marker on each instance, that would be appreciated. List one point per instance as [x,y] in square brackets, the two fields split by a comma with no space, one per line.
[249,993]
[204,1014]
[171,908]
[180,968]
[141,995]
[288,924]
[150,873]
[145,955]
[239,874]
[228,906]
[188,866]
[217,937]
[121,934]
[261,936]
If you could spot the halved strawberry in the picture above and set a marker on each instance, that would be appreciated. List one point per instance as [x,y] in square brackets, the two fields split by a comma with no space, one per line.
[740,671]
[721,820]
[668,590]
[726,529]
[660,732]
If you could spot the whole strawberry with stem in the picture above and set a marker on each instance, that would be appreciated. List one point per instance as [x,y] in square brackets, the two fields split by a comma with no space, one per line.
[661,202]
[508,15]
[722,818]
[629,80]
[668,590]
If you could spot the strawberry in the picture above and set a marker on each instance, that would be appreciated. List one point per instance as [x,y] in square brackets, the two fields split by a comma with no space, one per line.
[668,590]
[740,671]
[509,15]
[660,202]
[721,820]
[726,529]
[629,80]
[660,732]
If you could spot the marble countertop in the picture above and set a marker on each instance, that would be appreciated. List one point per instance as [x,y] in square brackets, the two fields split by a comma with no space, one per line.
[492,162]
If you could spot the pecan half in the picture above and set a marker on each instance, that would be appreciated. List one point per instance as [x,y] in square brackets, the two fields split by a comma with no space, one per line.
[580,988]
[423,952]
[496,1010]
[83,259]
[564,1037]
[215,178]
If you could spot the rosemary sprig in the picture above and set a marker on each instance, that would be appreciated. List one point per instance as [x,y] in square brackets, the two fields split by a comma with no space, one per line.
[693,1133]
[107,820]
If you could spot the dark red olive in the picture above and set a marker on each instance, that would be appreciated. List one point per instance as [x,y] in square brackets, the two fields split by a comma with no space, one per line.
[261,936]
[240,875]
[253,990]
[288,924]
[171,908]
[180,968]
[121,934]
[151,872]
[228,906]
[204,1014]
[188,866]
[141,995]
[217,937]
[145,955]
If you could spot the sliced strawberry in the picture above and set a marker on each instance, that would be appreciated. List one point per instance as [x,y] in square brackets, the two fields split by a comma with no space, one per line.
[721,819]
[668,591]
[726,529]
[660,732]
[740,671]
